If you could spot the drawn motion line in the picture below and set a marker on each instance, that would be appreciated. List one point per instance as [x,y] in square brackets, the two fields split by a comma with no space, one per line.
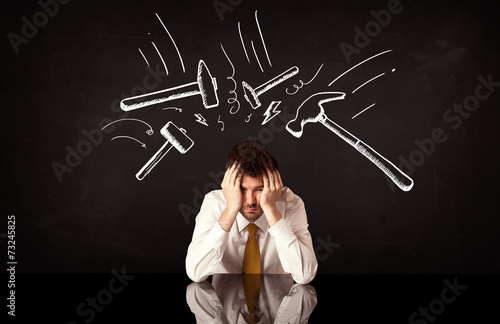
[376,77]
[231,77]
[149,131]
[242,42]
[362,111]
[143,56]
[372,57]
[132,138]
[302,83]
[161,57]
[255,53]
[262,38]
[175,45]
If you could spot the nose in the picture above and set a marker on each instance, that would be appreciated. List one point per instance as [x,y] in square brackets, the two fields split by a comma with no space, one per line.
[250,197]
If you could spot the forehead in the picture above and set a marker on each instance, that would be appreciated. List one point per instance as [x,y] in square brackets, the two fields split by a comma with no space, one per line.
[249,182]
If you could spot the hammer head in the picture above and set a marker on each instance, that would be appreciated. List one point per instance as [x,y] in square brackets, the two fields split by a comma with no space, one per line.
[208,86]
[250,95]
[311,111]
[177,137]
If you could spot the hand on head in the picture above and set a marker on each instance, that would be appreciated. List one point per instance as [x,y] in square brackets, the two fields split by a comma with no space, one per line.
[231,187]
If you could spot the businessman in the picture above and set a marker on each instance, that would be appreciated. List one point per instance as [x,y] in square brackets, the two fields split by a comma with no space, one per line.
[253,225]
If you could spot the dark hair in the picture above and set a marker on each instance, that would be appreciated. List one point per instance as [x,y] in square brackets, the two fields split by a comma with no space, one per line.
[253,158]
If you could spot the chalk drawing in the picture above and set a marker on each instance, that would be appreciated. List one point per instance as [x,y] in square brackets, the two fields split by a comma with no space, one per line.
[176,137]
[161,57]
[360,63]
[231,77]
[175,45]
[220,122]
[302,83]
[132,138]
[252,95]
[200,119]
[362,111]
[149,131]
[145,59]
[205,86]
[271,110]
[311,110]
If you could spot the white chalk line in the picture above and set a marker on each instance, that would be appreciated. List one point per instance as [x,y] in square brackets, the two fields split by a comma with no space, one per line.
[143,56]
[359,65]
[262,38]
[175,45]
[258,61]
[378,76]
[362,111]
[243,43]
[161,57]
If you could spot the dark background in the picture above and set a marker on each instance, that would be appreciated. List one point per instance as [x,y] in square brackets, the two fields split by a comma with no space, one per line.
[67,78]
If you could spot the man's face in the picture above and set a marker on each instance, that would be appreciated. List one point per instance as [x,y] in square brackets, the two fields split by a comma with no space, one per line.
[251,189]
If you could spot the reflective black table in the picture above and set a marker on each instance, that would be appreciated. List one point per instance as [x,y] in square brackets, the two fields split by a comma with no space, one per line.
[120,297]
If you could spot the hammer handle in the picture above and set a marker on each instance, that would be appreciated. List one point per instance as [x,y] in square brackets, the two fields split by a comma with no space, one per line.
[160,96]
[397,176]
[153,161]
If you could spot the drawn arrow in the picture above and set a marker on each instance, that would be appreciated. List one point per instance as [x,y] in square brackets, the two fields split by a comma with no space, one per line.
[142,144]
[149,131]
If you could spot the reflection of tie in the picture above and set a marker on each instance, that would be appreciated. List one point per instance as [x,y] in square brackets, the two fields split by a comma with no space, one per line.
[251,258]
[251,287]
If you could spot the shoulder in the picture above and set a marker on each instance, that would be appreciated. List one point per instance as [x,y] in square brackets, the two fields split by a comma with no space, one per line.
[215,196]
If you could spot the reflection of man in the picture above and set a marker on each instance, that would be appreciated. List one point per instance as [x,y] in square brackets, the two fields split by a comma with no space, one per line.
[224,301]
[230,235]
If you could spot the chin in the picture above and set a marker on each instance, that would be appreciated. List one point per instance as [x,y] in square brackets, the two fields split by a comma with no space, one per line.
[251,217]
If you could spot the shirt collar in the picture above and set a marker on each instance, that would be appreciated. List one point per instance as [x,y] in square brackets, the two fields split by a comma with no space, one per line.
[242,222]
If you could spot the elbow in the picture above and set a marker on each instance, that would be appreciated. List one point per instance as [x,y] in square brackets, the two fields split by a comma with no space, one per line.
[307,274]
[193,274]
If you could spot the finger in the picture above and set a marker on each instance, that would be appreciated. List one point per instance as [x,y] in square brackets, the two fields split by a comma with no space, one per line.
[280,182]
[227,175]
[266,181]
[234,174]
[272,184]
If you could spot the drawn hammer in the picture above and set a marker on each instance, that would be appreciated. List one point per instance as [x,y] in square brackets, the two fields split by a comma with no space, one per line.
[176,137]
[312,111]
[205,85]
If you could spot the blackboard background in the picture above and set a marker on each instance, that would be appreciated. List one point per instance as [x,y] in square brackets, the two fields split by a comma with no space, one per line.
[67,79]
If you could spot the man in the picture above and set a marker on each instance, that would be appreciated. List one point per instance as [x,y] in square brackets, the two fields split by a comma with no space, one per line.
[252,225]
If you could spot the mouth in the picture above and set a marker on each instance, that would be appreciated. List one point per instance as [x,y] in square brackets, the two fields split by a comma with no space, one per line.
[251,210]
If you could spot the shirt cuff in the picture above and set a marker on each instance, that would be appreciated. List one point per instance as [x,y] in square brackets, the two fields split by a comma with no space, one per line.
[282,233]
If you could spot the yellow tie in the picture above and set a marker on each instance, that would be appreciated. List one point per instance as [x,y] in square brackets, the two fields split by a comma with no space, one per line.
[251,288]
[251,258]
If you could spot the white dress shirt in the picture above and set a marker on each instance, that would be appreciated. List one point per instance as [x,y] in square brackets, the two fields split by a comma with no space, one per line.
[286,247]
[223,300]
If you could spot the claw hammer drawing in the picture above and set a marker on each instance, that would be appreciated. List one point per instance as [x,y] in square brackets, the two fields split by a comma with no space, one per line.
[312,111]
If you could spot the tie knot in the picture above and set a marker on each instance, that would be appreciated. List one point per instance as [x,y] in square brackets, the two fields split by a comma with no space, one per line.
[252,229]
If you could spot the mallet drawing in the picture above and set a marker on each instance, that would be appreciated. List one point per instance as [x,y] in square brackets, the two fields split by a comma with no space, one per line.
[252,95]
[205,85]
[176,137]
[312,111]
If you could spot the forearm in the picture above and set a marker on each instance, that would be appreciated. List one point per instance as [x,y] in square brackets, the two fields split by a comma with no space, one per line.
[205,253]
[227,218]
[295,251]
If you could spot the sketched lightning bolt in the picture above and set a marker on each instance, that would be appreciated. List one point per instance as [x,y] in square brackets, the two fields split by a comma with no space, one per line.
[271,109]
[200,119]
